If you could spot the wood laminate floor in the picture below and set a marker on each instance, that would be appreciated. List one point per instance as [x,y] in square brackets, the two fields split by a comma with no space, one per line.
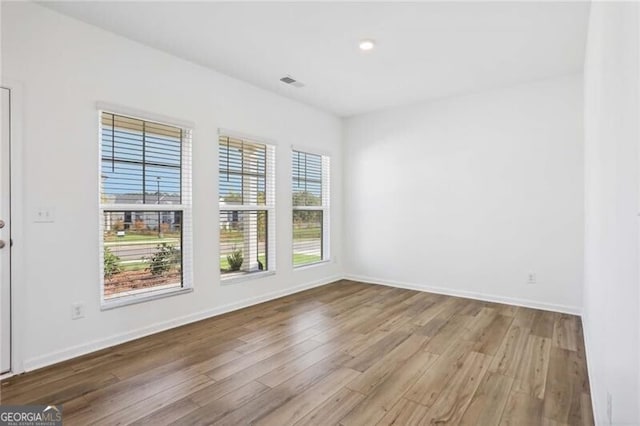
[346,353]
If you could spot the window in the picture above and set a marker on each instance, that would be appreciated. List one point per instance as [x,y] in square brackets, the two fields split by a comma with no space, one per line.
[247,199]
[145,208]
[310,190]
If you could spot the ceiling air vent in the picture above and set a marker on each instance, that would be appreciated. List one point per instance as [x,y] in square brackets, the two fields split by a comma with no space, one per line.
[292,81]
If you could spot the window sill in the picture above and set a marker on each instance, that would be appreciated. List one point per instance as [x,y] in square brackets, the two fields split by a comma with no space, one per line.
[312,265]
[245,277]
[145,296]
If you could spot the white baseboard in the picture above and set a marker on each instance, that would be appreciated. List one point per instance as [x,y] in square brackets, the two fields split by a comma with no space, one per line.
[592,384]
[573,310]
[86,348]
[83,349]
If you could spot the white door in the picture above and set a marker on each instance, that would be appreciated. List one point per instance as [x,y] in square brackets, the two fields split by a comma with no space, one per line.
[5,236]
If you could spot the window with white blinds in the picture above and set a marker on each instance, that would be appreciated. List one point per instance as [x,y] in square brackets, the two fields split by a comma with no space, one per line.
[310,192]
[145,207]
[247,202]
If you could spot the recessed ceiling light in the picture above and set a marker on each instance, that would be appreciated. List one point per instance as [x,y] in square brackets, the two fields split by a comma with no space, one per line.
[367,44]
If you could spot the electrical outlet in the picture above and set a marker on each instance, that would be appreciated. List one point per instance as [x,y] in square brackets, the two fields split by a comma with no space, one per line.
[531,278]
[77,310]
[609,408]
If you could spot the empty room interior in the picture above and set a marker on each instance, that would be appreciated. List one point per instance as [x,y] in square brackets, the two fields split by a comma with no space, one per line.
[320,213]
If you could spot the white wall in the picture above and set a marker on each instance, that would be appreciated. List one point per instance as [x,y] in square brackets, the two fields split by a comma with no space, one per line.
[469,194]
[465,195]
[63,67]
[611,295]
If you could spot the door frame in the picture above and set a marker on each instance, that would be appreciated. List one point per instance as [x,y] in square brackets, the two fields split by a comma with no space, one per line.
[18,282]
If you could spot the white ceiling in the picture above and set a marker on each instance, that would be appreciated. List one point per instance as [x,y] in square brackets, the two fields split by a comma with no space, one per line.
[424,50]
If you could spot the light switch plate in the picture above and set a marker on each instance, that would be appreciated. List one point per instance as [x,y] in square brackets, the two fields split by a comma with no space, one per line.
[44,215]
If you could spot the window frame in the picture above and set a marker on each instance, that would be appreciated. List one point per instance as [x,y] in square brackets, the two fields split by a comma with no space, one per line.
[325,207]
[185,207]
[269,206]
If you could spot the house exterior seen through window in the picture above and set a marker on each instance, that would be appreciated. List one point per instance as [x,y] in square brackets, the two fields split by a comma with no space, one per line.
[145,206]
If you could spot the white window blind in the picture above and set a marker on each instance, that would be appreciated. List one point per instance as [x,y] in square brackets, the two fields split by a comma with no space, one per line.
[247,205]
[145,206]
[310,192]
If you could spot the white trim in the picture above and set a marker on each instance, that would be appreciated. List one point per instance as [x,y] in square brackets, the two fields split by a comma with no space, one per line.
[112,207]
[100,236]
[587,353]
[246,207]
[143,115]
[248,276]
[269,207]
[573,310]
[143,295]
[78,350]
[310,208]
[310,150]
[325,207]
[63,355]
[18,282]
[312,265]
[245,137]
[186,207]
